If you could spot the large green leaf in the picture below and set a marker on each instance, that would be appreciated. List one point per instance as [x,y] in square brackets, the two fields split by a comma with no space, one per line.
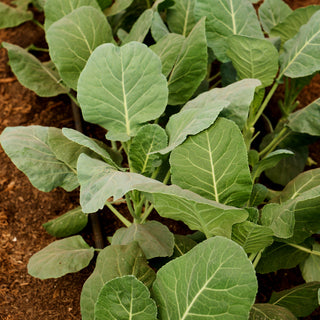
[12,17]
[253,58]
[310,268]
[125,298]
[273,12]
[300,300]
[300,57]
[153,237]
[180,17]
[226,18]
[214,164]
[113,262]
[54,10]
[215,279]
[267,311]
[29,150]
[73,38]
[122,88]
[61,257]
[190,67]
[306,120]
[34,75]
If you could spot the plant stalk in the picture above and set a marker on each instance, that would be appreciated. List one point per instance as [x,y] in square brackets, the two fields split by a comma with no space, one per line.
[304,249]
[126,222]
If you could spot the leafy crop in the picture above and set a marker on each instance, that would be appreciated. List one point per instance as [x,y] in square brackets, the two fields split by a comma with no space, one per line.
[179,87]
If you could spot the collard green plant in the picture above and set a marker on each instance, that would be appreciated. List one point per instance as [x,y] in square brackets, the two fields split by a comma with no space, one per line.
[150,74]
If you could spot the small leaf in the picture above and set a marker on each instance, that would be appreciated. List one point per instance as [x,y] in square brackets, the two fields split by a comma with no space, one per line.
[117,7]
[12,17]
[182,245]
[125,298]
[34,75]
[258,194]
[267,311]
[154,238]
[158,28]
[61,257]
[68,224]
[216,270]
[310,268]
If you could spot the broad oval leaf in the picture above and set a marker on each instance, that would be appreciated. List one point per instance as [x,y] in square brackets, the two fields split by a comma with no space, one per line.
[113,262]
[29,149]
[33,74]
[267,311]
[310,268]
[216,270]
[226,18]
[12,17]
[73,38]
[158,28]
[131,91]
[61,257]
[125,298]
[214,164]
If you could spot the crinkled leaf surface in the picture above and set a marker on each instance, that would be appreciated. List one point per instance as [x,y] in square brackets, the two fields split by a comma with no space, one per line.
[253,58]
[68,224]
[73,38]
[214,164]
[267,311]
[33,74]
[112,262]
[310,268]
[122,88]
[216,270]
[125,298]
[12,17]
[225,18]
[273,12]
[153,237]
[29,149]
[61,257]
[300,57]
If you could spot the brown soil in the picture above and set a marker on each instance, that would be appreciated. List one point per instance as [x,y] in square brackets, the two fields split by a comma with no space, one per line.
[23,209]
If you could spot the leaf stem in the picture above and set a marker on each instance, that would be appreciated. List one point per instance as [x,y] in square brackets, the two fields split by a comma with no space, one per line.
[73,98]
[257,258]
[129,205]
[126,222]
[217,75]
[36,22]
[304,249]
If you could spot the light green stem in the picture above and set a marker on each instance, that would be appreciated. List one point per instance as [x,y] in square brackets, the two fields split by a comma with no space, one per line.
[304,249]
[257,258]
[129,205]
[74,99]
[126,222]
[38,23]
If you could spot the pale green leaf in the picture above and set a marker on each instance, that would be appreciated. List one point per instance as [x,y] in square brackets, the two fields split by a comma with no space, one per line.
[114,262]
[216,270]
[28,148]
[154,238]
[190,67]
[253,58]
[68,224]
[214,164]
[34,75]
[273,12]
[73,38]
[125,298]
[267,311]
[180,17]
[122,88]
[300,57]
[12,17]
[226,18]
[61,257]
[258,194]
[158,28]
[117,7]
[300,300]
[310,268]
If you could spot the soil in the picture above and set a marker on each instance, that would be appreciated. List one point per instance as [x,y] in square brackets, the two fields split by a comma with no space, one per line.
[23,209]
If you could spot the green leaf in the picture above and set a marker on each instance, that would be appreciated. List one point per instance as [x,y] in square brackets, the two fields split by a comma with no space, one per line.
[253,58]
[252,237]
[258,194]
[29,150]
[34,75]
[73,38]
[190,66]
[214,164]
[153,237]
[149,138]
[273,12]
[267,311]
[226,18]
[216,270]
[300,57]
[117,7]
[306,120]
[180,17]
[158,28]
[113,262]
[310,268]
[68,224]
[12,17]
[290,26]
[131,91]
[61,257]
[182,245]
[125,298]
[54,10]
[300,300]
